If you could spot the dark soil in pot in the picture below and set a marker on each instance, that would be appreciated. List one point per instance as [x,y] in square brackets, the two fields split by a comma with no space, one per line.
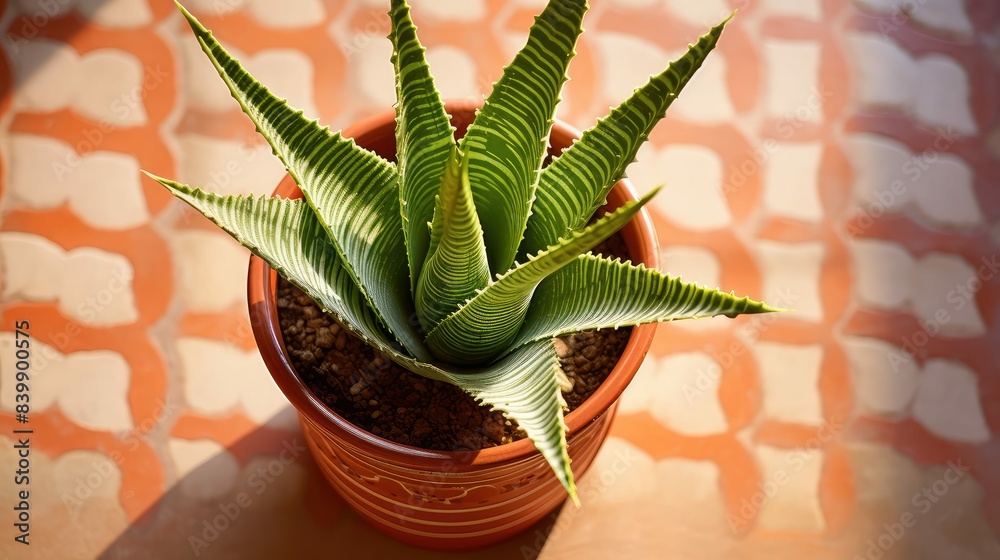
[375,394]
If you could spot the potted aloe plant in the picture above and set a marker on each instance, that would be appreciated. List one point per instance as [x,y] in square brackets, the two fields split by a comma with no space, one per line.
[461,261]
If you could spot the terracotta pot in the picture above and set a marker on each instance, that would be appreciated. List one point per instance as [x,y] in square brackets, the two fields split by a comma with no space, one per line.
[437,499]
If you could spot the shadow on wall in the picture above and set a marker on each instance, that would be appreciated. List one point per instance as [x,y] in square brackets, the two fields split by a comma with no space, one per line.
[26,22]
[265,497]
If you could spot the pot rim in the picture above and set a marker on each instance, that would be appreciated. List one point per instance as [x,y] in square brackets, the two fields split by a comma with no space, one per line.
[640,238]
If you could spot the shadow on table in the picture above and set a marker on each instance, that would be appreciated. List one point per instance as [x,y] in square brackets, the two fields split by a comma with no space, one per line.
[274,509]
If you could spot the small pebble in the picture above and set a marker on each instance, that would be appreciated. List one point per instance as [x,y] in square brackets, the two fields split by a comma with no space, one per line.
[325,339]
[358,387]
[562,350]
[421,428]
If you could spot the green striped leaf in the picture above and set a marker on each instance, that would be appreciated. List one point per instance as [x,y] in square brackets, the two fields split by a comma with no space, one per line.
[485,326]
[354,192]
[423,135]
[507,142]
[595,292]
[456,267]
[525,385]
[287,235]
[577,182]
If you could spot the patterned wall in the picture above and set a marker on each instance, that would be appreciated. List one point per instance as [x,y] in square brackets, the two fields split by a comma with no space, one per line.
[840,158]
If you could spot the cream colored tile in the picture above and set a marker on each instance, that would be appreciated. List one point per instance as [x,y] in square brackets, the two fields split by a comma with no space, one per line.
[702,14]
[90,387]
[791,273]
[288,13]
[103,188]
[790,490]
[87,474]
[107,192]
[791,181]
[789,376]
[229,166]
[948,402]
[213,269]
[450,10]
[943,99]
[116,13]
[638,394]
[885,74]
[454,72]
[113,89]
[882,183]
[885,479]
[693,264]
[884,379]
[91,285]
[216,7]
[636,3]
[883,273]
[289,74]
[47,75]
[261,398]
[97,288]
[944,295]
[38,160]
[946,192]
[203,90]
[212,374]
[219,376]
[93,391]
[371,71]
[806,9]
[626,62]
[32,266]
[792,79]
[683,394]
[691,176]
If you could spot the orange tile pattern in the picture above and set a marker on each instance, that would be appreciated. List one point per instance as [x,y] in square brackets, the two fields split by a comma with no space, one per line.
[837,157]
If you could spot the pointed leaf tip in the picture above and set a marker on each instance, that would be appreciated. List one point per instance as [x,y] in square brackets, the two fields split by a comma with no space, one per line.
[196,25]
[574,495]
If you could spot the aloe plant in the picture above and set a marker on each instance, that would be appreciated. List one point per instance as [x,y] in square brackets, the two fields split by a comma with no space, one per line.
[377,243]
